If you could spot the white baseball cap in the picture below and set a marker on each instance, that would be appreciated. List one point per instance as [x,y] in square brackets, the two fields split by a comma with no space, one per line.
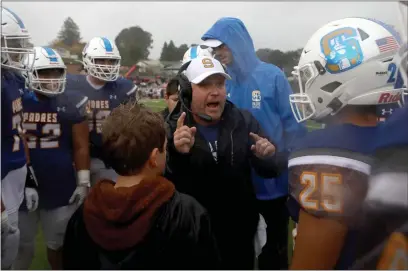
[213,43]
[202,67]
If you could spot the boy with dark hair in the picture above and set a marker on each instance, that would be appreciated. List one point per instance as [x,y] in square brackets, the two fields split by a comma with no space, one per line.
[171,97]
[139,222]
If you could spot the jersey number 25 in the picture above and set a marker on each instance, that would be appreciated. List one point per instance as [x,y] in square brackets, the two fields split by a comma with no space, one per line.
[321,191]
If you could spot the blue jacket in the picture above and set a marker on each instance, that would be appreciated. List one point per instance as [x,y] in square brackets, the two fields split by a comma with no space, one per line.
[262,89]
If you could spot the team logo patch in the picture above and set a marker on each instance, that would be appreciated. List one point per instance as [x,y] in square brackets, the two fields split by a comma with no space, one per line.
[256,99]
[342,50]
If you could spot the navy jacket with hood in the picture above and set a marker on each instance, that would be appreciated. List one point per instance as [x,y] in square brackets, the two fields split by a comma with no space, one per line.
[262,89]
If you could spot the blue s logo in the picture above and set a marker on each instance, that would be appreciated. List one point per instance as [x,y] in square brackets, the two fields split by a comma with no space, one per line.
[342,50]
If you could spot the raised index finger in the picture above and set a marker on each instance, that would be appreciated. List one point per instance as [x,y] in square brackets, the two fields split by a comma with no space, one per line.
[255,137]
[180,121]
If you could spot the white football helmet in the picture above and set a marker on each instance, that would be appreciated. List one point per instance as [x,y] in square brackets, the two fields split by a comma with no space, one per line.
[101,49]
[46,59]
[15,41]
[195,51]
[346,62]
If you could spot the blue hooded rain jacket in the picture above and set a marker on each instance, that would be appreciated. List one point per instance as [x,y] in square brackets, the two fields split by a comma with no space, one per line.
[262,89]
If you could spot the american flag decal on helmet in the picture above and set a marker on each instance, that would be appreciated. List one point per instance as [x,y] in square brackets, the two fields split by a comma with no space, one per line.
[387,44]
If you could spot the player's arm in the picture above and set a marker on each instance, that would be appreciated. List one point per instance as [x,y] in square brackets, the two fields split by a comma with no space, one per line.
[318,243]
[80,136]
[31,184]
[329,197]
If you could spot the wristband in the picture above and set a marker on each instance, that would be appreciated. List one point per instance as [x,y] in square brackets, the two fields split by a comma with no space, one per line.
[31,180]
[83,177]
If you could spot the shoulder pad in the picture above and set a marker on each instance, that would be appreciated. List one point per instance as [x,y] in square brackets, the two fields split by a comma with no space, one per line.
[74,104]
[348,137]
[127,86]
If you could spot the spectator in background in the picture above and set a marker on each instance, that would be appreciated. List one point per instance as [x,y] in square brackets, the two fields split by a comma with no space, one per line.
[264,90]
[170,97]
[141,222]
[211,147]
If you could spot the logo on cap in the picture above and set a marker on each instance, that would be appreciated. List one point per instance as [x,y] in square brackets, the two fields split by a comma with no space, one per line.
[207,63]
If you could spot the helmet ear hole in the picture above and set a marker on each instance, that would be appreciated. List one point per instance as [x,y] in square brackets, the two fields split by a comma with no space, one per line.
[331,87]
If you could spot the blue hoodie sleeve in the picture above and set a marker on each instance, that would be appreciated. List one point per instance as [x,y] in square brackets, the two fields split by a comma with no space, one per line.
[292,129]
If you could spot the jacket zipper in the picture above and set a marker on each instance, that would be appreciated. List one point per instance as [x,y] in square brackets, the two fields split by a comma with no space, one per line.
[232,147]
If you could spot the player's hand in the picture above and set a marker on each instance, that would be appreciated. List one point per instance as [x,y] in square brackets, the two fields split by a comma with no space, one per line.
[79,195]
[294,235]
[184,136]
[262,147]
[31,196]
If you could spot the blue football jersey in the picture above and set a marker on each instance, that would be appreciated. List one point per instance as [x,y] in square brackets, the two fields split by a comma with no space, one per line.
[328,175]
[48,126]
[101,102]
[12,148]
[384,244]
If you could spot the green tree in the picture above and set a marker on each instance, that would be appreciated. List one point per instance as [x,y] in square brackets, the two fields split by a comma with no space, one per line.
[263,54]
[181,51]
[171,52]
[69,33]
[133,44]
[284,60]
[164,52]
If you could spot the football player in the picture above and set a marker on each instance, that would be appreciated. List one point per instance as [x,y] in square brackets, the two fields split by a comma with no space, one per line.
[14,172]
[105,91]
[384,245]
[341,82]
[56,129]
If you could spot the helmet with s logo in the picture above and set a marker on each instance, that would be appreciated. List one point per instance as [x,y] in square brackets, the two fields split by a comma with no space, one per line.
[346,62]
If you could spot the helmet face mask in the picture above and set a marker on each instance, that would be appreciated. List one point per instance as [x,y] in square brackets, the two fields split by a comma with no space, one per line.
[301,104]
[49,82]
[346,62]
[104,72]
[48,74]
[15,42]
[101,59]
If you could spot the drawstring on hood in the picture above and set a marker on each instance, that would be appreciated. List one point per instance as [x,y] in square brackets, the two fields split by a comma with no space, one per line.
[233,33]
[119,218]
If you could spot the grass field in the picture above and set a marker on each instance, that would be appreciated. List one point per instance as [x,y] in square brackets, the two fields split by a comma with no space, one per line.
[40,259]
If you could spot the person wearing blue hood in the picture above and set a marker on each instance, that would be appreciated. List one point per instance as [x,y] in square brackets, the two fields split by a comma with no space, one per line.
[264,90]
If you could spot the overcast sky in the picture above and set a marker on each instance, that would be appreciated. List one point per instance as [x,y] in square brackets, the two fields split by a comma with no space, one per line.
[275,25]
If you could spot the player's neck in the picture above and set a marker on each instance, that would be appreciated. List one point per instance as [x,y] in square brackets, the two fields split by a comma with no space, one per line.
[95,81]
[39,96]
[364,120]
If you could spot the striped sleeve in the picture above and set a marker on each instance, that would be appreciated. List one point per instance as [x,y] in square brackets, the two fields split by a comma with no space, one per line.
[328,182]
